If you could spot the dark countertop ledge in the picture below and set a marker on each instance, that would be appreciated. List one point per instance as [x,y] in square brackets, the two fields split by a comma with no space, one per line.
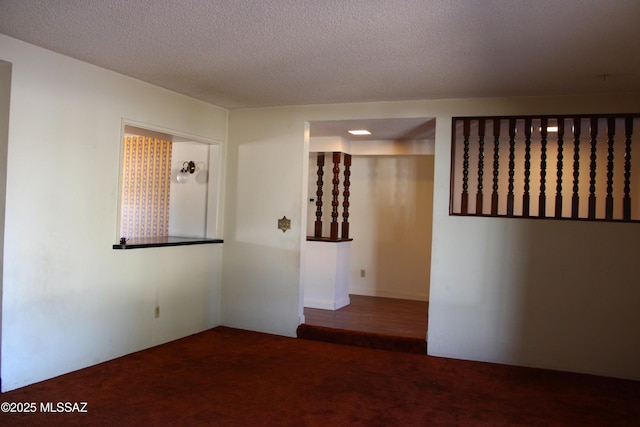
[157,242]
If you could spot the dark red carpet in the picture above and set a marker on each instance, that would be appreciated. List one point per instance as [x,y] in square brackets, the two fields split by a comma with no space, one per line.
[229,377]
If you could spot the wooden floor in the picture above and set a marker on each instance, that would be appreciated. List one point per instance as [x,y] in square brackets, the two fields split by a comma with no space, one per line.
[387,316]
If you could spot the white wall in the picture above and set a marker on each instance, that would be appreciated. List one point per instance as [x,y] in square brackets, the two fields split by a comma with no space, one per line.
[5,94]
[69,299]
[188,201]
[554,294]
[391,215]
[266,159]
[328,144]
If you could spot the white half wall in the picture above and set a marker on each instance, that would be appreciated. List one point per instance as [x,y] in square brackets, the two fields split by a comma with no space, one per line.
[69,299]
[326,281]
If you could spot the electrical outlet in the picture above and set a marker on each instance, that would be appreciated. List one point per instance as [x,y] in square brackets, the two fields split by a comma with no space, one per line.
[157,313]
[362,273]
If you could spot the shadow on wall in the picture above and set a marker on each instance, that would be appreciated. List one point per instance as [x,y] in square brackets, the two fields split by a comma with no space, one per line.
[391,211]
[578,297]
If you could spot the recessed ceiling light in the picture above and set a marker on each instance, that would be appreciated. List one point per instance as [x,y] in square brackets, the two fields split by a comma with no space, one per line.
[359,132]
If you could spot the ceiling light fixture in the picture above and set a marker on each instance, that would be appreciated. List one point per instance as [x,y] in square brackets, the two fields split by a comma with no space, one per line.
[550,129]
[359,132]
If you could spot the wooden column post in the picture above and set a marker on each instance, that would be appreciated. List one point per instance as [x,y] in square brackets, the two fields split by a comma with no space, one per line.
[346,193]
[335,193]
[592,168]
[496,166]
[611,133]
[479,193]
[317,231]
[575,198]
[626,203]
[559,167]
[512,143]
[526,197]
[542,198]
[464,201]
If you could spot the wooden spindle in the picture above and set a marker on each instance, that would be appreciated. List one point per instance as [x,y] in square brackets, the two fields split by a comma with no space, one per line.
[575,198]
[479,194]
[611,133]
[595,198]
[496,166]
[542,199]
[335,193]
[560,121]
[592,168]
[346,193]
[526,198]
[317,231]
[626,201]
[464,203]
[512,144]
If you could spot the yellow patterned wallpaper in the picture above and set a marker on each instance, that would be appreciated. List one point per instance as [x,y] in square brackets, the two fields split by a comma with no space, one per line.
[145,187]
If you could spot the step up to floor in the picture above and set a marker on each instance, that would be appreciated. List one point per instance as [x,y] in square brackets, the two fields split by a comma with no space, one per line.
[362,339]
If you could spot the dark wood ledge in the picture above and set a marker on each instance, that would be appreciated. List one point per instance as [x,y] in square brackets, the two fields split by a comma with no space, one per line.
[326,239]
[156,242]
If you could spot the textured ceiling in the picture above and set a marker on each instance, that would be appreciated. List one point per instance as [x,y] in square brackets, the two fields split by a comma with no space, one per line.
[253,53]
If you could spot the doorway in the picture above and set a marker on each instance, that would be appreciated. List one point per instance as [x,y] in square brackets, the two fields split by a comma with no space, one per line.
[391,207]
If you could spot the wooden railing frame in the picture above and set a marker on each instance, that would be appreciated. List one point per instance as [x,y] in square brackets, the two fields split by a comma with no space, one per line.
[579,169]
[338,159]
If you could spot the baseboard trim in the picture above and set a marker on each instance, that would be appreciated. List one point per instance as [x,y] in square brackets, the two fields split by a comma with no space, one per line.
[327,304]
[387,294]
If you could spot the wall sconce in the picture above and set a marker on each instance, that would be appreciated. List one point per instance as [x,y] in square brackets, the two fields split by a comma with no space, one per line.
[188,168]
